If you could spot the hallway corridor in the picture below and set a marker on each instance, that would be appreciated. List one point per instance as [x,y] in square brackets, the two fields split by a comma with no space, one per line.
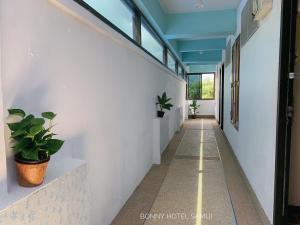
[189,187]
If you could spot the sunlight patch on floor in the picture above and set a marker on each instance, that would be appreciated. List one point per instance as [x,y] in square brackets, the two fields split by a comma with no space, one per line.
[200,179]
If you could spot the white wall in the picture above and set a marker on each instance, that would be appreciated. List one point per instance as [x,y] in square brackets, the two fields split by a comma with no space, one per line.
[207,107]
[102,87]
[254,143]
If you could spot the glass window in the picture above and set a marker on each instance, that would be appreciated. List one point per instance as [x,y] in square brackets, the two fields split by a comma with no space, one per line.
[116,12]
[194,87]
[171,62]
[151,44]
[208,86]
[180,71]
[201,86]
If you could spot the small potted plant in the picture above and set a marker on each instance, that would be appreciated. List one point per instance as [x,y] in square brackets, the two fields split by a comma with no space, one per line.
[33,144]
[194,108]
[163,102]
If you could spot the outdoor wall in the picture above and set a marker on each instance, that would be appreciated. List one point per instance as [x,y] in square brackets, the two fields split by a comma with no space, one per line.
[103,88]
[254,142]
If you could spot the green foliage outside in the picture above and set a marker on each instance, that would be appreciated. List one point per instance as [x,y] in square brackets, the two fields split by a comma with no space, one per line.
[207,88]
[195,90]
[31,139]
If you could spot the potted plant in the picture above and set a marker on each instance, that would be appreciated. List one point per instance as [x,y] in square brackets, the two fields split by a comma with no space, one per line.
[33,144]
[164,103]
[194,108]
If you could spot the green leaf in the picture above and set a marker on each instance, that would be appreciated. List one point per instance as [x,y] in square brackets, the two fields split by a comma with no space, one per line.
[53,145]
[18,133]
[30,154]
[14,126]
[168,106]
[37,121]
[26,121]
[164,96]
[158,99]
[22,144]
[35,130]
[41,142]
[40,135]
[17,112]
[48,115]
[49,136]
[169,99]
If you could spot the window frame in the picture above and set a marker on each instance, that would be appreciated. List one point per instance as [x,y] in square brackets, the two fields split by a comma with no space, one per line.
[175,61]
[137,23]
[200,80]
[154,35]
[235,83]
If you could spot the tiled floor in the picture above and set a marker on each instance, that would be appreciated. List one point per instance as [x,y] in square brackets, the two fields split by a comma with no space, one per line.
[194,190]
[189,187]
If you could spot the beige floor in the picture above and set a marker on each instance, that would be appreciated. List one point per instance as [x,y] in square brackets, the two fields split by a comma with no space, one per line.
[194,190]
[189,187]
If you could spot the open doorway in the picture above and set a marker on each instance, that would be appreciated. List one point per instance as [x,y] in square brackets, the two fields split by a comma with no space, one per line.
[294,175]
[221,97]
[286,127]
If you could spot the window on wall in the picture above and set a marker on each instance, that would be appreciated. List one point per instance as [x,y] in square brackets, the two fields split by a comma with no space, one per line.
[208,86]
[194,87]
[151,44]
[235,83]
[180,71]
[171,61]
[127,19]
[116,12]
[201,86]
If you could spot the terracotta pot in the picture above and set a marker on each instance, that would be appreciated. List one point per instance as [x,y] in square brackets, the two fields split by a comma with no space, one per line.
[31,173]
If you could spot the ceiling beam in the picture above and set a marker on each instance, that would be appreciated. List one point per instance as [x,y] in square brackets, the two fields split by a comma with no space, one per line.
[202,57]
[202,68]
[200,45]
[201,24]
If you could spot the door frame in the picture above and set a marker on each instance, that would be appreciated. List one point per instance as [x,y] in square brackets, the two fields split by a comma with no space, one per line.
[284,120]
[221,96]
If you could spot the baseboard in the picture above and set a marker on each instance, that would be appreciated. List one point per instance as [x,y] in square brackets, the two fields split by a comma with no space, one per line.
[253,196]
[203,116]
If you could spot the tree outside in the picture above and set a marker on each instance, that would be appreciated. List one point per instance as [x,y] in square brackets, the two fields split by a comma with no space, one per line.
[201,90]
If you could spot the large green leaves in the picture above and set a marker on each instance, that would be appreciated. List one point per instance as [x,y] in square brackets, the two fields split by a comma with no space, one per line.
[48,115]
[164,102]
[14,126]
[18,133]
[194,106]
[33,141]
[30,154]
[22,145]
[17,112]
[37,121]
[53,145]
[35,130]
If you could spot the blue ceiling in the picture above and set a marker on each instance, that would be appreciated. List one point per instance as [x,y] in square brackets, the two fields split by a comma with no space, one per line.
[197,38]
